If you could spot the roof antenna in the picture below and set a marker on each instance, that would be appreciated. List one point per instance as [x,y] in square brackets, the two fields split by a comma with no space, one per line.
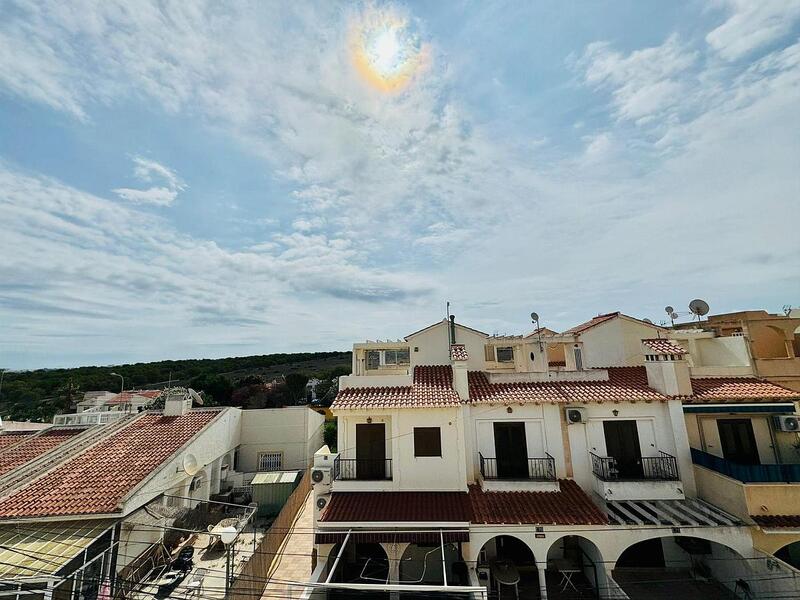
[535,319]
[699,308]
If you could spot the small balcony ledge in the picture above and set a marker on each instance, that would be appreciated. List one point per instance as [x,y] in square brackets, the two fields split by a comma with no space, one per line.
[657,478]
[538,475]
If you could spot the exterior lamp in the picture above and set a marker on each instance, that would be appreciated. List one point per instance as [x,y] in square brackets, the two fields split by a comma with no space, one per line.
[228,536]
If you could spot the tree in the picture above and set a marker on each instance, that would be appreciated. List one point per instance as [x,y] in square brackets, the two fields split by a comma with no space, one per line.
[329,435]
[68,395]
[296,383]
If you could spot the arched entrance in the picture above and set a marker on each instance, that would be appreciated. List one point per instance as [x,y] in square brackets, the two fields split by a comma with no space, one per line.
[359,563]
[575,568]
[505,562]
[422,564]
[790,554]
[679,566]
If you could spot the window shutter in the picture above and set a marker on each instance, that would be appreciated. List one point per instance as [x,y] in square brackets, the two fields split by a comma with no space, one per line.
[489,353]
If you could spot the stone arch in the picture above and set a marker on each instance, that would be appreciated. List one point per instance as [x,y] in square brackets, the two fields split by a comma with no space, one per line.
[361,562]
[741,545]
[513,549]
[790,553]
[579,552]
[422,563]
[771,343]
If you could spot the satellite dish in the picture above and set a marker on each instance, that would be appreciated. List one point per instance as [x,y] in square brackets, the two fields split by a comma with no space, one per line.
[698,307]
[196,397]
[669,310]
[647,321]
[673,315]
[190,464]
[534,317]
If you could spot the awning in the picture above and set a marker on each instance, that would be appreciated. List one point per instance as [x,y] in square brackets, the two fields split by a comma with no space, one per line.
[772,407]
[33,550]
[413,537]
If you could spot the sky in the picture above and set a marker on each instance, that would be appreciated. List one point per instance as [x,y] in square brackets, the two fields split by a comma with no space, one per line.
[197,180]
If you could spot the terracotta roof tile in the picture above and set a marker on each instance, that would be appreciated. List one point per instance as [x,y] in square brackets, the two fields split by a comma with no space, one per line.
[664,346]
[432,387]
[97,480]
[398,506]
[569,506]
[624,384]
[458,352]
[777,521]
[742,389]
[591,323]
[34,447]
[125,397]
[9,439]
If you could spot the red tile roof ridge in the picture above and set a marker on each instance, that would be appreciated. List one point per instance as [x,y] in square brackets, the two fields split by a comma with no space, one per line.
[737,388]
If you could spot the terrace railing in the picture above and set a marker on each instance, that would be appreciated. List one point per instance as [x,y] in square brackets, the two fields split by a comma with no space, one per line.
[663,467]
[785,473]
[538,469]
[362,469]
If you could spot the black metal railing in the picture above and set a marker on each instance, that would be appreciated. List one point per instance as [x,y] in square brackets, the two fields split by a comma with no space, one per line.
[362,469]
[663,467]
[779,473]
[538,469]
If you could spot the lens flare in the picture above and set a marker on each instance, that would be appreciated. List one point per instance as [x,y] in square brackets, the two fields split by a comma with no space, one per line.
[385,49]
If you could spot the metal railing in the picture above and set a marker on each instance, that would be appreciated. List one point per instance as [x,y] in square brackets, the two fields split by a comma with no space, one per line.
[362,469]
[648,468]
[539,469]
[90,418]
[786,473]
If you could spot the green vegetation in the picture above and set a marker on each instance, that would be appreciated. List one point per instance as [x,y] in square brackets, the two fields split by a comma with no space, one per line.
[244,381]
[329,435]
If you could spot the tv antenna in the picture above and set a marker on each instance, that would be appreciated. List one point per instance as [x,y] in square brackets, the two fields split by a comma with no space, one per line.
[699,308]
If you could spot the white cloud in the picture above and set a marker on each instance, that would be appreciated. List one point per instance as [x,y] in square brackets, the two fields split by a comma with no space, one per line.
[751,25]
[147,170]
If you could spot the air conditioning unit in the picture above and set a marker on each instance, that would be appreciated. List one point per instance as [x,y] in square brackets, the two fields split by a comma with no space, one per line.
[320,502]
[787,423]
[321,476]
[575,415]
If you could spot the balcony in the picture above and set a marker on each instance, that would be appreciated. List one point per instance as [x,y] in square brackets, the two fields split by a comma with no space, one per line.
[527,474]
[362,469]
[747,490]
[650,478]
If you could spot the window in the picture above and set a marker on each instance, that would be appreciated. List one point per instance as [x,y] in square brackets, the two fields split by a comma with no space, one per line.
[396,357]
[373,359]
[427,441]
[270,461]
[505,354]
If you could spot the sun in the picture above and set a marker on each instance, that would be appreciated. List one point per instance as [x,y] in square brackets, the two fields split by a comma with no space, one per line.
[385,49]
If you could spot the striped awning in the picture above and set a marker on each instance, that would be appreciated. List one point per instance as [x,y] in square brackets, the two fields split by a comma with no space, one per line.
[675,513]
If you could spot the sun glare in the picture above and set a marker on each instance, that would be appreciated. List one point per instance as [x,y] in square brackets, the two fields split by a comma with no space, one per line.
[385,49]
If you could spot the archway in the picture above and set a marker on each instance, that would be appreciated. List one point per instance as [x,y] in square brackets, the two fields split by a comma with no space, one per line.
[680,566]
[359,563]
[506,561]
[790,554]
[422,564]
[575,568]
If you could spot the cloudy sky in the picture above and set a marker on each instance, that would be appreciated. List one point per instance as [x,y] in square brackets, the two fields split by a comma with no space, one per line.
[187,180]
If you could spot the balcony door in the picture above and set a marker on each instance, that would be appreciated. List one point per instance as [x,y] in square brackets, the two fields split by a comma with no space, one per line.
[511,450]
[738,441]
[622,444]
[370,451]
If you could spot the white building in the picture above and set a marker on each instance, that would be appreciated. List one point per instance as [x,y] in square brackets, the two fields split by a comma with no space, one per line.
[466,460]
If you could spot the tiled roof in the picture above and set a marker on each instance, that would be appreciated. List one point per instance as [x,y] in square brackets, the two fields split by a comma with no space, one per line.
[9,439]
[432,387]
[398,506]
[125,397]
[777,521]
[732,389]
[34,447]
[592,322]
[458,352]
[569,506]
[97,480]
[624,384]
[664,346]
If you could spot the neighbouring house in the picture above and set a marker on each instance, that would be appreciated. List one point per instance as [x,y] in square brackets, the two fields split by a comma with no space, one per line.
[127,401]
[468,461]
[87,503]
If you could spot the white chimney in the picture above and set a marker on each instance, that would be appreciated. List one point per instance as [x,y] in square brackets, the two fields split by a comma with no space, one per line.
[177,404]
[458,362]
[667,371]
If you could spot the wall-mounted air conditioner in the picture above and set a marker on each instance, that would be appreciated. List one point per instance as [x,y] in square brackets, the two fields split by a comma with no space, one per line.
[786,423]
[575,415]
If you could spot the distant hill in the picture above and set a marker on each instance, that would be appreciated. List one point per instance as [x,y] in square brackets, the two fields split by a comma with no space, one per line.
[38,395]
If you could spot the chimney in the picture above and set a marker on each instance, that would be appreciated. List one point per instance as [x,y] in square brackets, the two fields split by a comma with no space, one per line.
[667,371]
[452,329]
[458,362]
[177,404]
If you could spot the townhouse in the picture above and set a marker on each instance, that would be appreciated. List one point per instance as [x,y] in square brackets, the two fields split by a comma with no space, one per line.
[542,464]
[86,505]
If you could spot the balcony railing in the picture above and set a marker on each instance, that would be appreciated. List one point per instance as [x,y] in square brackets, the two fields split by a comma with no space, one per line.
[362,469]
[788,473]
[538,469]
[649,468]
[89,418]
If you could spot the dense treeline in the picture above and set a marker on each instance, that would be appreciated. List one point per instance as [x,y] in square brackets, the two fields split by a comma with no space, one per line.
[38,395]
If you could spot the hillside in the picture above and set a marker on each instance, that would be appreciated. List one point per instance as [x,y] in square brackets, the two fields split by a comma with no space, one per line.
[38,395]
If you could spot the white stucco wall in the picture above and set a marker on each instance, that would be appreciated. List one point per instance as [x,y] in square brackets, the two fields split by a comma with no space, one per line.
[410,473]
[616,343]
[296,431]
[434,349]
